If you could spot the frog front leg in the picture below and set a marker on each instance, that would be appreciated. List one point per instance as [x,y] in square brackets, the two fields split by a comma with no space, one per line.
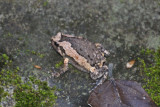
[101,48]
[62,69]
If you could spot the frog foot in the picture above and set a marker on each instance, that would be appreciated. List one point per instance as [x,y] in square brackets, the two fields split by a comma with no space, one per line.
[95,75]
[55,74]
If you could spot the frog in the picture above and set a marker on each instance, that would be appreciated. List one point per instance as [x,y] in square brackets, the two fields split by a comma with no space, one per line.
[82,54]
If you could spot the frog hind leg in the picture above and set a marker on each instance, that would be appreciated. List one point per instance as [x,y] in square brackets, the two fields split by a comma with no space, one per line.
[104,77]
[100,80]
[77,66]
[102,49]
[99,73]
[62,69]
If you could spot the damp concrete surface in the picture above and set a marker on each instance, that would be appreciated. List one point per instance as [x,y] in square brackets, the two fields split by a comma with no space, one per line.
[123,27]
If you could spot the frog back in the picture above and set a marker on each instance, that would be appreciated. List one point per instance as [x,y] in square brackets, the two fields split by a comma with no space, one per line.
[86,49]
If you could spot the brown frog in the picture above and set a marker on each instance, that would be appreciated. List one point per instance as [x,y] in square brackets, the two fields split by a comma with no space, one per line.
[82,54]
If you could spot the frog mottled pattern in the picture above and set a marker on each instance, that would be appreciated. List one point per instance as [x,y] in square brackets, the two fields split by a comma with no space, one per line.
[82,54]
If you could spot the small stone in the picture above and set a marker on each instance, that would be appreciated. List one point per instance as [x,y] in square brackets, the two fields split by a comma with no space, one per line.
[84,93]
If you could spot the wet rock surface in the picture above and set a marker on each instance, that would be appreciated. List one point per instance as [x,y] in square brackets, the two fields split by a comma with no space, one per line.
[123,27]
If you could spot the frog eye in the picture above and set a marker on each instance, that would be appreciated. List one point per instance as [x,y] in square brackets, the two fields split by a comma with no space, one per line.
[56,44]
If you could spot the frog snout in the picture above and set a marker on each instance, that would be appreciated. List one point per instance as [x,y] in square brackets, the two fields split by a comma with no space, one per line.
[52,39]
[57,37]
